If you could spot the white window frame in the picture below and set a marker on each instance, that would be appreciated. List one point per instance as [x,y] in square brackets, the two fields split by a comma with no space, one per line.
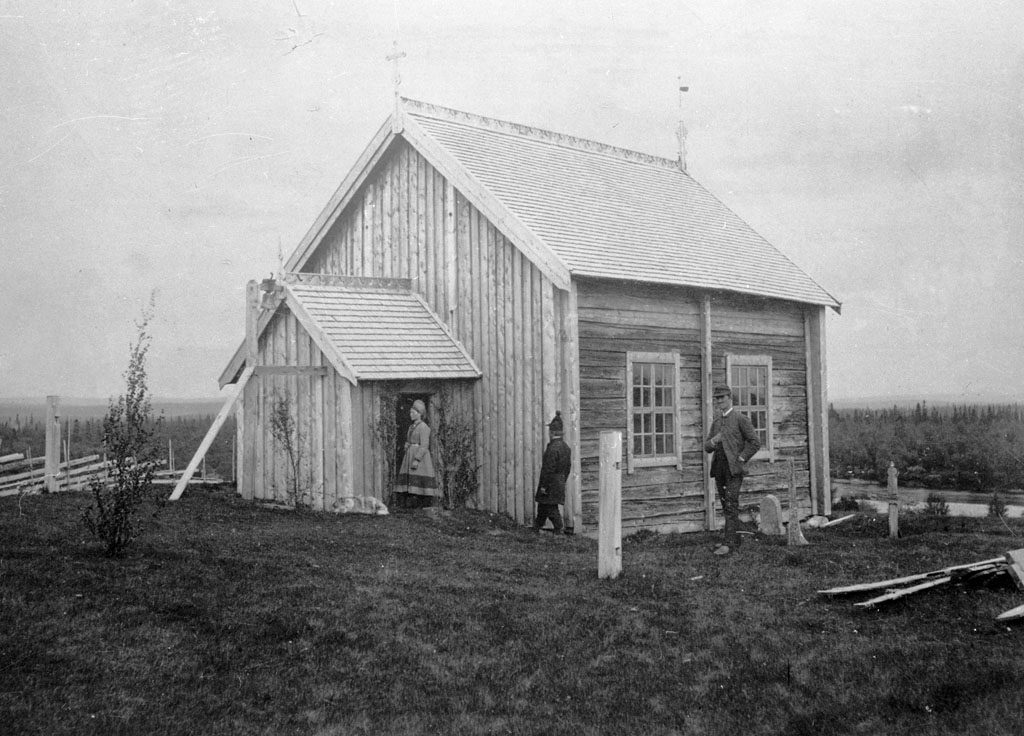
[649,461]
[767,451]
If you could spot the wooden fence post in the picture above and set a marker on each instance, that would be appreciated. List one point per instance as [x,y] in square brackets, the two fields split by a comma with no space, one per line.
[51,471]
[894,501]
[609,545]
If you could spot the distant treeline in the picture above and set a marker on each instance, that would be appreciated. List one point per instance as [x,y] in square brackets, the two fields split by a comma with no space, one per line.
[974,447]
[27,435]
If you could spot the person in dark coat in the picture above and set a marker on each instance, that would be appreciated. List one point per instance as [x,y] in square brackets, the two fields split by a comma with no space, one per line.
[733,441]
[554,471]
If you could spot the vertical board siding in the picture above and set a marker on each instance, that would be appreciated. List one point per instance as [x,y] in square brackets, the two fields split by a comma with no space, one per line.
[496,303]
[468,224]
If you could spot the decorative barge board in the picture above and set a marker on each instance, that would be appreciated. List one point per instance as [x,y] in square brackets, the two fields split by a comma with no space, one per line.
[576,277]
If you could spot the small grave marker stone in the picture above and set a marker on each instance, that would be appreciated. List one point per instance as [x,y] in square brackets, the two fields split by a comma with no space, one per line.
[771,516]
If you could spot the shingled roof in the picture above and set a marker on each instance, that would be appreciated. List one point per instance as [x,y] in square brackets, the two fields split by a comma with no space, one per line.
[612,213]
[381,334]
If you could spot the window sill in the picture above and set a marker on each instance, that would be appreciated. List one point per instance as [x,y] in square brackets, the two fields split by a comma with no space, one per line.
[654,461]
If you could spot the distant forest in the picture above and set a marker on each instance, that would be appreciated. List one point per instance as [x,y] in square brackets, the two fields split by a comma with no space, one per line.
[970,448]
[27,434]
[977,448]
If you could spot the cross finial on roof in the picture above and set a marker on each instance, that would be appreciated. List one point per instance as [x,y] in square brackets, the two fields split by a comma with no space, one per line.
[681,129]
[394,57]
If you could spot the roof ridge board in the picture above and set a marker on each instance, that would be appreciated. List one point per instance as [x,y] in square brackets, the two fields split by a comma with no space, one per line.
[540,135]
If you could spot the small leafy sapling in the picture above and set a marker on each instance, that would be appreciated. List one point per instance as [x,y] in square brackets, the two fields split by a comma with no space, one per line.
[128,440]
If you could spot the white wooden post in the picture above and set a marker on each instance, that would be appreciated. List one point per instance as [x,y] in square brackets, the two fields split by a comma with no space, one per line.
[894,502]
[51,466]
[609,546]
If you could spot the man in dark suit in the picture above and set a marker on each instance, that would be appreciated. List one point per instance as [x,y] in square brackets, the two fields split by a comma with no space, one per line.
[733,441]
[554,472]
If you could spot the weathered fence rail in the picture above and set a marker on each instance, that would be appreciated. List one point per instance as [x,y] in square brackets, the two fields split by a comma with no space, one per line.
[49,473]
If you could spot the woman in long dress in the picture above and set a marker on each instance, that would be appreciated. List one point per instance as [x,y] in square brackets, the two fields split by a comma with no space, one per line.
[416,484]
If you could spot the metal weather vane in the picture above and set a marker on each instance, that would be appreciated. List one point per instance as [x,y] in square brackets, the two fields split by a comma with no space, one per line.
[681,131]
[394,57]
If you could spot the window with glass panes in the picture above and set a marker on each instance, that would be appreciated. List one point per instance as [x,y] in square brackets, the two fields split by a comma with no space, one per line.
[750,378]
[652,407]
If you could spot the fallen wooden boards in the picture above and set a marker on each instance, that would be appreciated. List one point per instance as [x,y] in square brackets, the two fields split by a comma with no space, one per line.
[885,584]
[900,592]
[1012,564]
[1015,558]
[1012,614]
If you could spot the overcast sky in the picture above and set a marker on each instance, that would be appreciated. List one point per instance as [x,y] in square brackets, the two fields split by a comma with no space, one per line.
[179,147]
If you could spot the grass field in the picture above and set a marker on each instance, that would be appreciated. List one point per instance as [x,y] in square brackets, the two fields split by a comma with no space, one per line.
[227,618]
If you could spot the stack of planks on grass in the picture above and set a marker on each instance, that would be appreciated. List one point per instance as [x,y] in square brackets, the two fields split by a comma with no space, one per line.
[974,573]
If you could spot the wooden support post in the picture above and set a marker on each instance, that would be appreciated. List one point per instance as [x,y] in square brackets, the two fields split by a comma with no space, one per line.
[894,503]
[609,548]
[817,408]
[51,468]
[795,536]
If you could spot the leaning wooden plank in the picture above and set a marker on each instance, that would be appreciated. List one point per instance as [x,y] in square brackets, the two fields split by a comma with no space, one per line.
[883,584]
[212,433]
[1012,614]
[13,457]
[900,592]
[840,520]
[1016,559]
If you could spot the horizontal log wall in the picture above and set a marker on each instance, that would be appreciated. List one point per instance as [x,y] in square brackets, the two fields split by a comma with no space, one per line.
[619,318]
[408,222]
[752,326]
[615,319]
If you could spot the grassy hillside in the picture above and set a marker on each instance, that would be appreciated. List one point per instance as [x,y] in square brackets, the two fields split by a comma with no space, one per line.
[229,618]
